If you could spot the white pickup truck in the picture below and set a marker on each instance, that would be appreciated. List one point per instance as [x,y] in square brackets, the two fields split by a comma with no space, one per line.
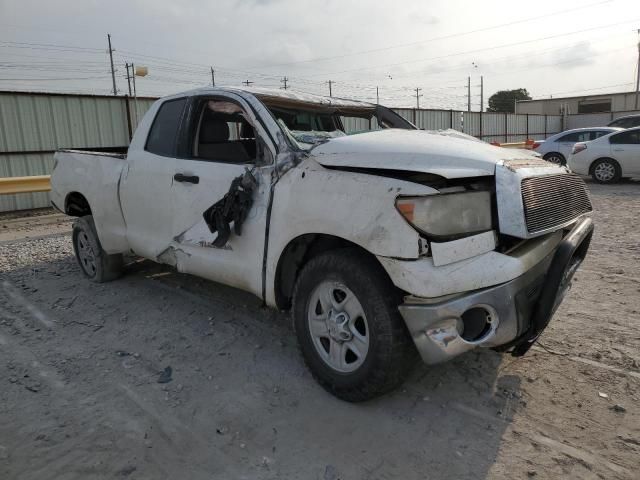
[382,244]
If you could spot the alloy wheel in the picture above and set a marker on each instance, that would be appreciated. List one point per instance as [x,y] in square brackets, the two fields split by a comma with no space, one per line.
[338,326]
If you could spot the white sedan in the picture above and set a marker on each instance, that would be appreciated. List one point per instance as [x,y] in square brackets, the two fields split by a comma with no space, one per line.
[609,158]
[557,148]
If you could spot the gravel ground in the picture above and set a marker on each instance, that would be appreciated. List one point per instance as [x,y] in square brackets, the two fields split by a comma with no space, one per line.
[80,363]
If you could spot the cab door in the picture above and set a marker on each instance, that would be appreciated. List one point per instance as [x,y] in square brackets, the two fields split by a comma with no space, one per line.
[226,140]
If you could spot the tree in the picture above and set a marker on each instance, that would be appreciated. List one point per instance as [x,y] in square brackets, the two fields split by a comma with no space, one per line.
[505,100]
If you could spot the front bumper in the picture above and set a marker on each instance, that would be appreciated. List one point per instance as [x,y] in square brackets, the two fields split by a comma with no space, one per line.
[517,311]
[579,164]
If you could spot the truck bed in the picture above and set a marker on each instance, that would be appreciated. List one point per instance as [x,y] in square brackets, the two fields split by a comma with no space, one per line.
[117,152]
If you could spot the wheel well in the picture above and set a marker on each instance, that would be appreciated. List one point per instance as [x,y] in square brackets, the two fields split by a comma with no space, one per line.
[602,158]
[297,253]
[552,153]
[76,205]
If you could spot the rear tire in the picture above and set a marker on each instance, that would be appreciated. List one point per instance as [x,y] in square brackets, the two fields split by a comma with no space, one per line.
[350,333]
[555,157]
[606,170]
[96,264]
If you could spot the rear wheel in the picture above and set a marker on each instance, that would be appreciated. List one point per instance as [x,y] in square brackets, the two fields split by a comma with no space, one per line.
[350,332]
[95,263]
[606,170]
[555,157]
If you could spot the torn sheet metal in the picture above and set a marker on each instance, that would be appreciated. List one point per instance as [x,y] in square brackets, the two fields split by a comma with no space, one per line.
[449,252]
[232,208]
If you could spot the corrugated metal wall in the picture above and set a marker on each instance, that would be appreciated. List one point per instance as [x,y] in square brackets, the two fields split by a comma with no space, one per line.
[34,125]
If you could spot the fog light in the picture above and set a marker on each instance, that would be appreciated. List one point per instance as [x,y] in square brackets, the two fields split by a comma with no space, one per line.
[476,323]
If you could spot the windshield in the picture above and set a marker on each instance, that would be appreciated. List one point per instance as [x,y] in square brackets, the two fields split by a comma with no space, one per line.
[307,124]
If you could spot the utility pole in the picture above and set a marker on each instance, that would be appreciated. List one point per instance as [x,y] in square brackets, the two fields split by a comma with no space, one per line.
[113,72]
[284,81]
[128,78]
[135,93]
[418,97]
[638,72]
[247,82]
[481,93]
[213,78]
[468,94]
[377,97]
[331,82]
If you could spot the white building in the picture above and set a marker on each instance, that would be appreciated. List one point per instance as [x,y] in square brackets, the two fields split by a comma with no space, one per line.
[600,103]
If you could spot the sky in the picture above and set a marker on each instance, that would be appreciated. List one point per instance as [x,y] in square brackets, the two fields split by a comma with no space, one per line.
[548,47]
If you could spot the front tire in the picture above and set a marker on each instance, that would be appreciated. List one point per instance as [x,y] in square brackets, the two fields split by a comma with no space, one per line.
[606,170]
[96,264]
[555,157]
[349,330]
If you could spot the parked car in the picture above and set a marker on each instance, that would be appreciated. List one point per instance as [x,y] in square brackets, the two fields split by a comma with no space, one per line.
[609,158]
[628,121]
[380,244]
[557,148]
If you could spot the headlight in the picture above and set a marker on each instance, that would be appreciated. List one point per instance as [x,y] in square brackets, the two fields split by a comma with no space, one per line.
[448,214]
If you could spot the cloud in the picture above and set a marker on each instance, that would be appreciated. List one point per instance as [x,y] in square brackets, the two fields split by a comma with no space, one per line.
[578,55]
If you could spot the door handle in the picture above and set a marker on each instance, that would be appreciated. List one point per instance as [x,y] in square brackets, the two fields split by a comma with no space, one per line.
[618,149]
[181,177]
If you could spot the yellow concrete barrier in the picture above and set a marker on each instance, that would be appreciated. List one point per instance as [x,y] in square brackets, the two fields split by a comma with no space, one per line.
[36,183]
[528,145]
[514,145]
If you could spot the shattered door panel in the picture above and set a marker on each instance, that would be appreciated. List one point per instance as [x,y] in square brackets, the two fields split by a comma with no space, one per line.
[238,261]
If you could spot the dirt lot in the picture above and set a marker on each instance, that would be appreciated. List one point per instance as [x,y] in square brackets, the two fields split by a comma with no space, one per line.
[79,364]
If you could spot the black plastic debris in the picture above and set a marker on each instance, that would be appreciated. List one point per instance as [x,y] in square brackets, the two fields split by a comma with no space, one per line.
[232,208]
[165,375]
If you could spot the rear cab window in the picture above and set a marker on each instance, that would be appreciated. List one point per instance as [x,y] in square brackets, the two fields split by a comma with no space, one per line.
[163,134]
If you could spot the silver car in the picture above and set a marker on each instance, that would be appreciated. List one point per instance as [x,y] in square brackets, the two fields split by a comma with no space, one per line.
[557,148]
[628,121]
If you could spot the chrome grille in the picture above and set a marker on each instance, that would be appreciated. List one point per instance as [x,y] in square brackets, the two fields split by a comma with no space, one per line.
[553,200]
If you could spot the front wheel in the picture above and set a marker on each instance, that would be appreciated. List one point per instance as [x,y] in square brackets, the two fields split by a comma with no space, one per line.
[350,332]
[606,170]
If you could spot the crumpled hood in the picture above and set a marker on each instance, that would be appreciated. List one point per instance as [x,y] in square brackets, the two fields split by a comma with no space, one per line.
[417,151]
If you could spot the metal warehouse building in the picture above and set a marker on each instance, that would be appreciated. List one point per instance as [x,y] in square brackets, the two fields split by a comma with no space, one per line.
[607,102]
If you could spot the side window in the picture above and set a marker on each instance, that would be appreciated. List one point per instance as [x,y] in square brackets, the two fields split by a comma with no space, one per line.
[584,136]
[571,137]
[598,133]
[164,130]
[626,138]
[224,133]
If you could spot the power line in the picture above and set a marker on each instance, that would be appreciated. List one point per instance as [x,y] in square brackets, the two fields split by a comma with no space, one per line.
[584,90]
[444,37]
[50,79]
[493,61]
[494,47]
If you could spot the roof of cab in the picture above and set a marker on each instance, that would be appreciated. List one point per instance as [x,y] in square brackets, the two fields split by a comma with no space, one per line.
[287,96]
